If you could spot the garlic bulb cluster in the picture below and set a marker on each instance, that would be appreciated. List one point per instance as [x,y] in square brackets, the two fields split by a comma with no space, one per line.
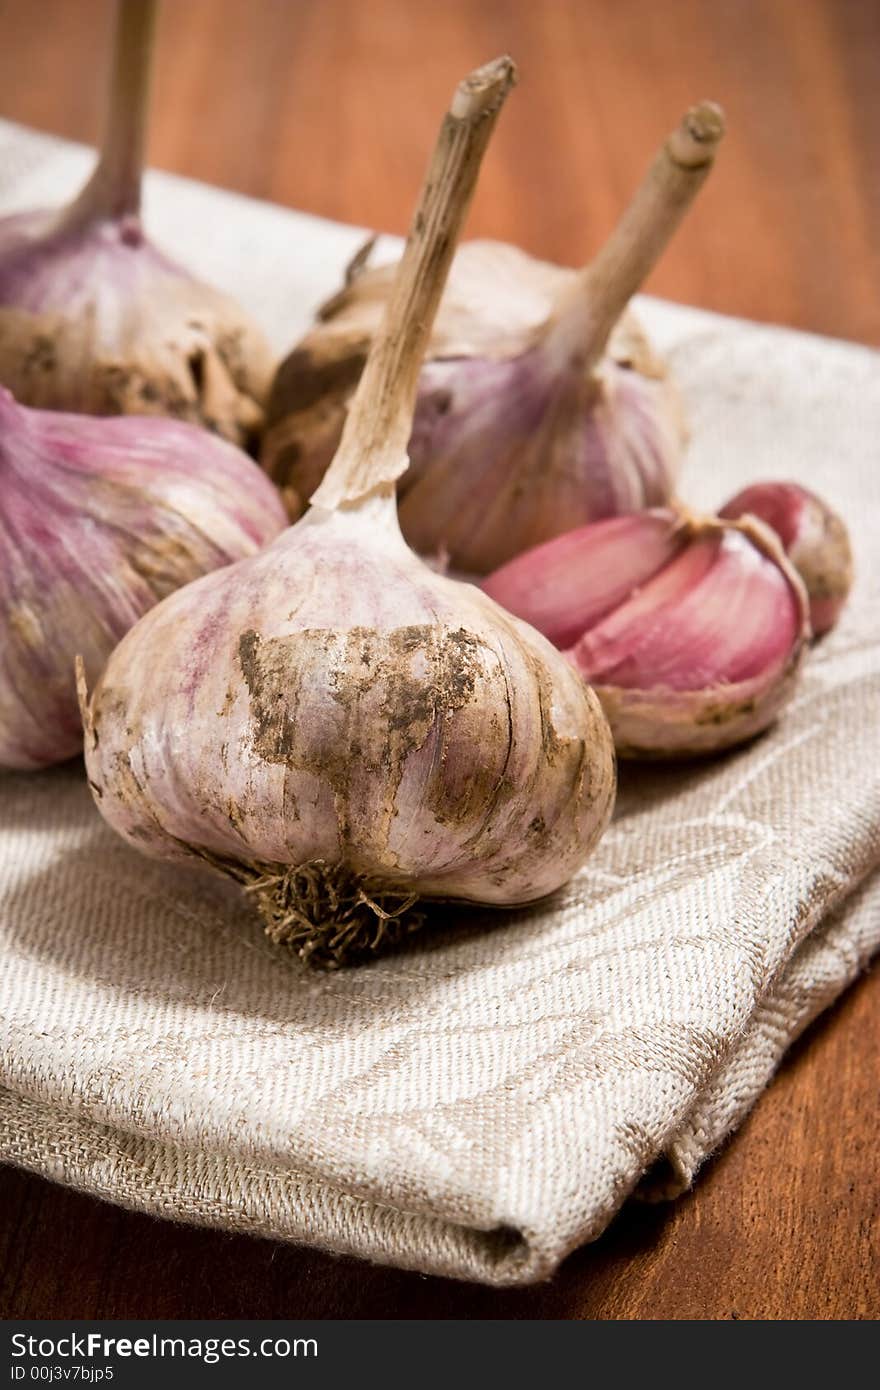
[691,630]
[331,723]
[94,318]
[814,538]
[541,406]
[99,519]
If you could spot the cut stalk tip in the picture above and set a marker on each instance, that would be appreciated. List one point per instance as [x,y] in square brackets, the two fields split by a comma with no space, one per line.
[696,140]
[483,90]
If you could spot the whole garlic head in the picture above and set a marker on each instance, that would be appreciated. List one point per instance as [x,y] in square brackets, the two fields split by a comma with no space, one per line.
[541,405]
[99,519]
[95,319]
[333,724]
[334,702]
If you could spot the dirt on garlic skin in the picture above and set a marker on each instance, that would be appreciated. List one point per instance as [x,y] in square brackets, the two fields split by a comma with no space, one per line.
[305,415]
[485,412]
[424,752]
[538,454]
[99,321]
[45,363]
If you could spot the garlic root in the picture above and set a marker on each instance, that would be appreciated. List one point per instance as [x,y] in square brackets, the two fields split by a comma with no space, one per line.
[327,915]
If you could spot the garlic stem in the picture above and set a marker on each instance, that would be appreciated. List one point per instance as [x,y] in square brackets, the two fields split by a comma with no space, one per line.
[372,452]
[114,189]
[586,315]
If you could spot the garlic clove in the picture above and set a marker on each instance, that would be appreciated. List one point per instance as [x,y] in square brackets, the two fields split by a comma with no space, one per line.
[698,650]
[814,538]
[95,319]
[331,723]
[99,520]
[541,406]
[567,585]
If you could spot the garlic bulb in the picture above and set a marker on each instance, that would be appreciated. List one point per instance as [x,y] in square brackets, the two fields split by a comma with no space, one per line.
[814,538]
[690,630]
[331,723]
[94,318]
[99,519]
[540,407]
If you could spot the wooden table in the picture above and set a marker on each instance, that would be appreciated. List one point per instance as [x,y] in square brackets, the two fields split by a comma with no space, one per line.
[331,106]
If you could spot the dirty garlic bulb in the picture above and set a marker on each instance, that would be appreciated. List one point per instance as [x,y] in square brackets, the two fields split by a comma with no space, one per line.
[690,630]
[99,519]
[541,405]
[95,318]
[331,723]
[813,537]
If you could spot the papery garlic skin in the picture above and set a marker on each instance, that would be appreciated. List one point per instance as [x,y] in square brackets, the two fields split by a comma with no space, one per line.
[99,519]
[814,538]
[95,319]
[691,631]
[333,701]
[540,407]
[487,483]
[511,444]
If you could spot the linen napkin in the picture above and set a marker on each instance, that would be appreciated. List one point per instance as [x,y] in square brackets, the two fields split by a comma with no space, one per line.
[483,1102]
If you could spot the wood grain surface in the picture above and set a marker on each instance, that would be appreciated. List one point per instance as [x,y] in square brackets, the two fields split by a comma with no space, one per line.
[331,106]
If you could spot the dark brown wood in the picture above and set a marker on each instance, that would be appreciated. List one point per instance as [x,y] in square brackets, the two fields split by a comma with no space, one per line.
[331,105]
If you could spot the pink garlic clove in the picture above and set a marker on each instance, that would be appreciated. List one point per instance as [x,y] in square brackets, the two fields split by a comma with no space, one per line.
[541,406]
[99,520]
[691,631]
[566,585]
[95,319]
[813,537]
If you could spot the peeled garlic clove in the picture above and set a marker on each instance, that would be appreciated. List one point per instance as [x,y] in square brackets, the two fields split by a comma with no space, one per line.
[95,319]
[814,538]
[333,724]
[99,519]
[690,630]
[541,406]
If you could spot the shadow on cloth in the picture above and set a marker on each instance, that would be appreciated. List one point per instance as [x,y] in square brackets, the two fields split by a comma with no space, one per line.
[170,932]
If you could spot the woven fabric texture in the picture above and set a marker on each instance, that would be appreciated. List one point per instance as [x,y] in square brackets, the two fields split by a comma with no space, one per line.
[483,1102]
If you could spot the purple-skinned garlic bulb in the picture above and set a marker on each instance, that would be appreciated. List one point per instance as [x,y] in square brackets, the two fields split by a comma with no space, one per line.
[99,520]
[94,318]
[690,630]
[813,537]
[541,405]
[334,725]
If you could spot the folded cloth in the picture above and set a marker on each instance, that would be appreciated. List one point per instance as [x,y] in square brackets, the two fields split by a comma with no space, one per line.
[483,1102]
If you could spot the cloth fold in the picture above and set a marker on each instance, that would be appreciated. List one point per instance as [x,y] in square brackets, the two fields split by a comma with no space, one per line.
[484,1101]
